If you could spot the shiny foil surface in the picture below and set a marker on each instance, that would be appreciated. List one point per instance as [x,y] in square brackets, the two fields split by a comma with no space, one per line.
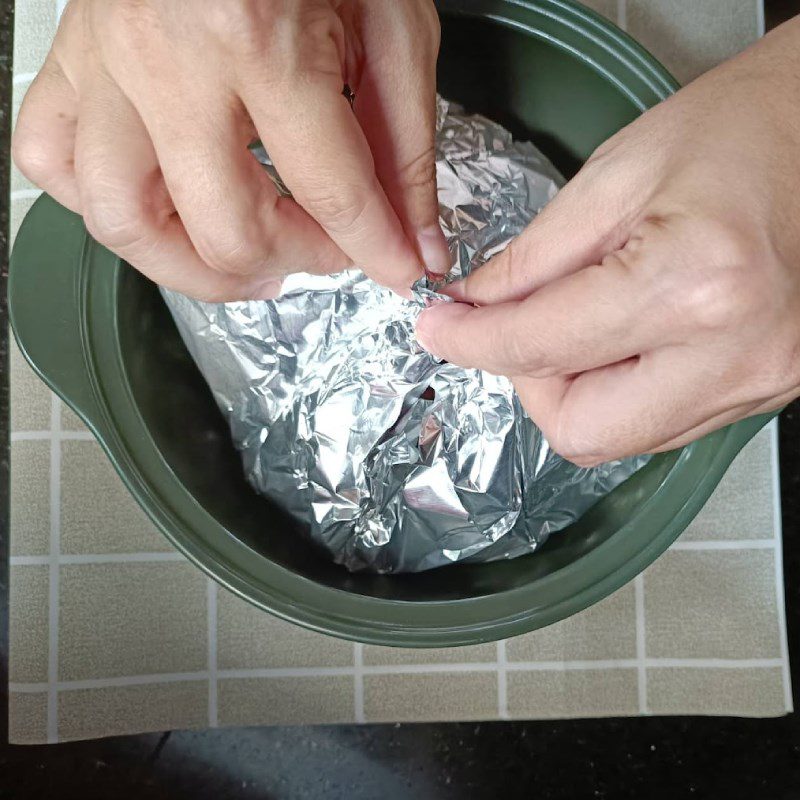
[392,460]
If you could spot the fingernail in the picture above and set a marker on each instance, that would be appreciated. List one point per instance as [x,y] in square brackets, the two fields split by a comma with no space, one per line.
[457,291]
[431,321]
[433,251]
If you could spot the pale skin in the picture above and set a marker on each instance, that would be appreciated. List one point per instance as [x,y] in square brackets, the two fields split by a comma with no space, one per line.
[141,116]
[656,299]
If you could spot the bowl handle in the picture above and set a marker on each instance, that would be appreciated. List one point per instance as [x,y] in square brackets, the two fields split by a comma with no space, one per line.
[44,285]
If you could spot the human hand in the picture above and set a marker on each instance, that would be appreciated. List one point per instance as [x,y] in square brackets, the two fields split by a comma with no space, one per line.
[141,117]
[657,297]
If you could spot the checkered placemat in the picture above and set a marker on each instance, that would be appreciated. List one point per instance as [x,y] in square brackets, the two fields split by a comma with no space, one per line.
[113,632]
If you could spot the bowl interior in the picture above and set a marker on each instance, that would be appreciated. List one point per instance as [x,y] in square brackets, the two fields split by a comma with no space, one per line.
[531,86]
[541,92]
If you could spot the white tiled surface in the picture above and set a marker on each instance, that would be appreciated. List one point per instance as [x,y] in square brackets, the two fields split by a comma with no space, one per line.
[112,632]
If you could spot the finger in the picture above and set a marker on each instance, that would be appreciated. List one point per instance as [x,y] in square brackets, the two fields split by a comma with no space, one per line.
[43,145]
[127,208]
[594,317]
[616,412]
[232,211]
[638,406]
[589,218]
[323,157]
[396,107]
[543,400]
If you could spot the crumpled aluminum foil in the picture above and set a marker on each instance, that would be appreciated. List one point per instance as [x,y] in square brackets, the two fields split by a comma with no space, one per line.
[393,460]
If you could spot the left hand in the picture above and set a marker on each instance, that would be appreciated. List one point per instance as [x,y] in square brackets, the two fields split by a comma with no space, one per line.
[141,116]
[657,298]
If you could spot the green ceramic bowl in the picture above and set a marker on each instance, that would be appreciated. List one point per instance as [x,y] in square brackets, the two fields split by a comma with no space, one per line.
[101,337]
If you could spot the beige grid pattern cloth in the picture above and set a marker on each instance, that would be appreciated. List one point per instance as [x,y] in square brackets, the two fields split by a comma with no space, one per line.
[113,632]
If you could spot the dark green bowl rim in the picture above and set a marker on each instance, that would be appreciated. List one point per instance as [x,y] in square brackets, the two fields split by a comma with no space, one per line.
[59,274]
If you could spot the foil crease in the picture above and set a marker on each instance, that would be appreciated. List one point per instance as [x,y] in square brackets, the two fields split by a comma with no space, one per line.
[392,460]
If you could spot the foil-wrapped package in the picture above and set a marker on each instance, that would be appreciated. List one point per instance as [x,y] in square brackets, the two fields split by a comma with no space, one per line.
[393,460]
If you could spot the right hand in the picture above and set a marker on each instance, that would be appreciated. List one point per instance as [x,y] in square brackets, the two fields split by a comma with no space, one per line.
[141,115]
[657,298]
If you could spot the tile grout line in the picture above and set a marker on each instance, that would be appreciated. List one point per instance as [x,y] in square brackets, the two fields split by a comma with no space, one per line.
[502,680]
[27,688]
[724,544]
[54,576]
[213,716]
[513,666]
[113,683]
[358,682]
[778,561]
[400,669]
[712,663]
[35,436]
[638,586]
[622,14]
[101,558]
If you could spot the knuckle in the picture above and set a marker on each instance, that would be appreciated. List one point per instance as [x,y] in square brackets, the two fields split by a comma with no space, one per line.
[601,155]
[595,165]
[420,171]
[562,442]
[33,157]
[236,252]
[242,26]
[575,442]
[339,212]
[710,279]
[569,436]
[526,354]
[117,222]
[309,49]
[132,25]
[717,299]
[584,461]
[731,245]
[579,451]
[72,16]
